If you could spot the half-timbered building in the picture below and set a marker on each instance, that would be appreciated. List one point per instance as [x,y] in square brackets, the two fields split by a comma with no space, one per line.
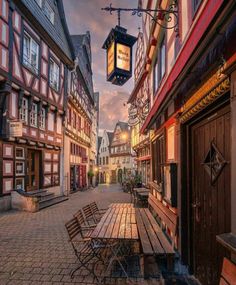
[35,55]
[104,159]
[192,125]
[79,119]
[138,110]
[121,154]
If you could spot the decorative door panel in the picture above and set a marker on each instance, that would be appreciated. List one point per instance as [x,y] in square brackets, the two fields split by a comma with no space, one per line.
[210,194]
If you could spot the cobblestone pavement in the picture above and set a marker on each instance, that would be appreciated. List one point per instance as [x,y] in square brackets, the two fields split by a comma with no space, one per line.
[34,247]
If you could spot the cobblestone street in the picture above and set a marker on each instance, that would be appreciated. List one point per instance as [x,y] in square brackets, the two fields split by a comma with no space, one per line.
[34,248]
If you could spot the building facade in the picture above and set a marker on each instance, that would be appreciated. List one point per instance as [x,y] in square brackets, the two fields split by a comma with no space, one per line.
[121,157]
[192,127]
[138,110]
[80,139]
[104,160]
[36,52]
[94,141]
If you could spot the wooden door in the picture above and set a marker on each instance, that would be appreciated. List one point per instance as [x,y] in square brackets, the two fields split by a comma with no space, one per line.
[210,201]
[33,170]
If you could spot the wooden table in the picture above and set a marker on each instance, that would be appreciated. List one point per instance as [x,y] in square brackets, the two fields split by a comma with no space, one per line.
[141,190]
[121,205]
[117,225]
[140,195]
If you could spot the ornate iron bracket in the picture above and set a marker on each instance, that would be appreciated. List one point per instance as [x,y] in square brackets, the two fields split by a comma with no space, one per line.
[162,16]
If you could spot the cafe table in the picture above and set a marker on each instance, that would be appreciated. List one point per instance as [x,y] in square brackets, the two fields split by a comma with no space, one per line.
[140,194]
[121,205]
[117,230]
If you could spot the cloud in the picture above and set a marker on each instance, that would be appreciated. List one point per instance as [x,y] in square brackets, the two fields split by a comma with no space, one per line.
[113,108]
[86,15]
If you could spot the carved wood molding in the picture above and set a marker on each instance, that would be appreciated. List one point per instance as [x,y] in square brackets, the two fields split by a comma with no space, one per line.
[208,99]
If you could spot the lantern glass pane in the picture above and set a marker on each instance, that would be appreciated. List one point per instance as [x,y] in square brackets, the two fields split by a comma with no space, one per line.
[123,57]
[111,58]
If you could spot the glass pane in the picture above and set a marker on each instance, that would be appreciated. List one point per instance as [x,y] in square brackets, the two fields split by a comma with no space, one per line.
[163,60]
[32,161]
[33,182]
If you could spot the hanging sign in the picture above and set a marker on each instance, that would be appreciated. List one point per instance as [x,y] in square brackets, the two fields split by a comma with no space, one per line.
[15,129]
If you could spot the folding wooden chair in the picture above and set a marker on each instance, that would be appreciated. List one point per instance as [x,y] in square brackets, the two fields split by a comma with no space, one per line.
[89,216]
[86,228]
[85,251]
[96,211]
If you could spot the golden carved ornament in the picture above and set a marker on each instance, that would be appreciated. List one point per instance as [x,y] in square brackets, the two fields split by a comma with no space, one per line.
[220,90]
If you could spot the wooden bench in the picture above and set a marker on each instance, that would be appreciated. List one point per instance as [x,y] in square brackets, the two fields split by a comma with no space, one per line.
[166,216]
[153,240]
[228,274]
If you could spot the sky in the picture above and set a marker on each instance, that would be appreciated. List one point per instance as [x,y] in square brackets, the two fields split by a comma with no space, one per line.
[86,15]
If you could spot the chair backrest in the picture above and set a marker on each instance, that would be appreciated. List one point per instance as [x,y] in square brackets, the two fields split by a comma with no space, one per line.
[94,207]
[73,228]
[80,217]
[228,274]
[87,212]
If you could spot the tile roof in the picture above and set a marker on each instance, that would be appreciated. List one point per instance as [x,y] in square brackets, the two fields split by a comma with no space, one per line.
[82,48]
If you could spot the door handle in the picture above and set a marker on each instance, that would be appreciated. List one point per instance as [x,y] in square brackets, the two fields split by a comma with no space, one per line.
[196,206]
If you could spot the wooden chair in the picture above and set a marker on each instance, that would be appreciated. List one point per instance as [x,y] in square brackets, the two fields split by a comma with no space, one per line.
[83,247]
[89,216]
[96,211]
[228,274]
[87,229]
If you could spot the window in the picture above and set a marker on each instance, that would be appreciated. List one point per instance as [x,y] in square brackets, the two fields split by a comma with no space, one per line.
[54,75]
[74,120]
[33,115]
[158,154]
[79,123]
[155,78]
[39,2]
[30,53]
[49,12]
[160,66]
[42,116]
[24,111]
[4,9]
[162,59]
[103,160]
[20,183]
[20,168]
[106,160]
[20,153]
[69,116]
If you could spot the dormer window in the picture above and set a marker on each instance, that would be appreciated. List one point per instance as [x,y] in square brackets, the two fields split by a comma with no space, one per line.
[49,12]
[30,53]
[54,75]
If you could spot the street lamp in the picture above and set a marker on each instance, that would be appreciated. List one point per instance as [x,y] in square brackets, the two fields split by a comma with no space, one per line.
[119,44]
[124,136]
[119,55]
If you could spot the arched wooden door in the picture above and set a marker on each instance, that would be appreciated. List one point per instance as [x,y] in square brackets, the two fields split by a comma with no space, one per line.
[210,198]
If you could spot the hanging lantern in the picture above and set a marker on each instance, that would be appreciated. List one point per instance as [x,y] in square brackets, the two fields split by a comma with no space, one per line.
[119,55]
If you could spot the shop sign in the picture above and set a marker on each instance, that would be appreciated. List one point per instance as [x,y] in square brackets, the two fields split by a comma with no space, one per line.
[15,129]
